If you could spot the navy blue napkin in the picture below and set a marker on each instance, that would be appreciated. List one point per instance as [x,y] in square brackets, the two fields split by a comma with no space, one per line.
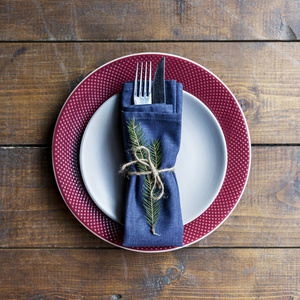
[158,121]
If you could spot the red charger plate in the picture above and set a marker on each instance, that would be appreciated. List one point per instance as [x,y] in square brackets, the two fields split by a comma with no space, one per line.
[106,81]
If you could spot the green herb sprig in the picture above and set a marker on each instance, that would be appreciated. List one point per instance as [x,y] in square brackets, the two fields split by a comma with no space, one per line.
[137,139]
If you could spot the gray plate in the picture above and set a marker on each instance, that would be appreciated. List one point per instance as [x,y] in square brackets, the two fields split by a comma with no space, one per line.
[200,167]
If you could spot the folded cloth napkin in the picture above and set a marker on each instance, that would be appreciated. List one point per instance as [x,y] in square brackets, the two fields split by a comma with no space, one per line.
[150,222]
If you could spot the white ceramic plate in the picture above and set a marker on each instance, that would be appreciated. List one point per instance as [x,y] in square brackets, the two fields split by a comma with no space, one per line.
[200,167]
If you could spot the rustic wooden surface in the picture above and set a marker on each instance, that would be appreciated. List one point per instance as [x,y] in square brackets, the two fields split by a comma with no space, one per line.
[48,47]
[120,274]
[127,20]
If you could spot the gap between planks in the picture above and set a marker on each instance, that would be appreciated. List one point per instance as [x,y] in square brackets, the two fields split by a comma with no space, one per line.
[143,41]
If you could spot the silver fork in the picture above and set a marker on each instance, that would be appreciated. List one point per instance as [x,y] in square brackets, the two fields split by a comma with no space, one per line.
[142,96]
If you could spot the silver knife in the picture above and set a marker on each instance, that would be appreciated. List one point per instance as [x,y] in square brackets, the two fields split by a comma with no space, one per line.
[159,93]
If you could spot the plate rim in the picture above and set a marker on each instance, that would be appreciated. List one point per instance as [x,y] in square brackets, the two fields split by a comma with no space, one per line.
[188,60]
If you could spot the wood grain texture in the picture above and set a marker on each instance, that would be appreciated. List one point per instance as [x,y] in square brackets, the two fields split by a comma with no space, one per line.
[125,20]
[119,274]
[36,79]
[48,47]
[33,214]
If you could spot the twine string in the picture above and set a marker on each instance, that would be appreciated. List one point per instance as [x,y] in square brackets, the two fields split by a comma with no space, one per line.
[151,170]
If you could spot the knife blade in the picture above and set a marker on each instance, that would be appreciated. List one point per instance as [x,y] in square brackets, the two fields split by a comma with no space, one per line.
[159,93]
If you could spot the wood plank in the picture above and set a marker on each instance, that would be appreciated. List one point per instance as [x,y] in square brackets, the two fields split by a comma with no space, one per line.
[125,20]
[120,274]
[33,214]
[37,78]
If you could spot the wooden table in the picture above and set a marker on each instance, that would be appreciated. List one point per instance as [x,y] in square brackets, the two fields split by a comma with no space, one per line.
[48,47]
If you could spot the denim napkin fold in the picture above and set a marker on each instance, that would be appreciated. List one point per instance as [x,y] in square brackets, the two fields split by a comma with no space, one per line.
[159,121]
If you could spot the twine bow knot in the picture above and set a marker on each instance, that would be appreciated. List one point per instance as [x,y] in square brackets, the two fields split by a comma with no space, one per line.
[151,170]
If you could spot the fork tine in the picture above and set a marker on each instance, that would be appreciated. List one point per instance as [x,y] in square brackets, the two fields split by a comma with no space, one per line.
[145,81]
[135,81]
[141,74]
[149,88]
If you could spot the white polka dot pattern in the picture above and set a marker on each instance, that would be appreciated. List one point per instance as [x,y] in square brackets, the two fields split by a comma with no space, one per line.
[107,81]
